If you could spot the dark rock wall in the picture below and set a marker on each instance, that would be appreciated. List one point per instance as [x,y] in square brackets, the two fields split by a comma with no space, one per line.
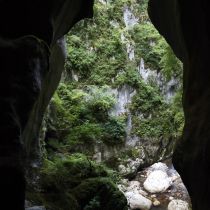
[32,54]
[185,25]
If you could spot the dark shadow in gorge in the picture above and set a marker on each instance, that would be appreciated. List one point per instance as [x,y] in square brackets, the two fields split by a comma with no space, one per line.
[185,25]
[30,37]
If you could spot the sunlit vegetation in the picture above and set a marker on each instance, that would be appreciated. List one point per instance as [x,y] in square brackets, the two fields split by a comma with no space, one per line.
[79,117]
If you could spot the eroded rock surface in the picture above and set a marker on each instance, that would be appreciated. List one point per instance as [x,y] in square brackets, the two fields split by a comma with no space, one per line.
[185,25]
[30,40]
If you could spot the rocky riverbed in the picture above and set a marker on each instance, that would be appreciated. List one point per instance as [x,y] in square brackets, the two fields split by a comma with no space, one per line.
[158,187]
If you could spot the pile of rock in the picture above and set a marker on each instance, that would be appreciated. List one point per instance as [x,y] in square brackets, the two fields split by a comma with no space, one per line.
[157,185]
[130,166]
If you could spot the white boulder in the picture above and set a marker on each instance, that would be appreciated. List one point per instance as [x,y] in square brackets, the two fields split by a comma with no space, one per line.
[157,182]
[159,166]
[178,205]
[137,201]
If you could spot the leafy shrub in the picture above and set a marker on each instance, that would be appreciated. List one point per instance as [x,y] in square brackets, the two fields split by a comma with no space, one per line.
[114,132]
[100,100]
[74,183]
[86,133]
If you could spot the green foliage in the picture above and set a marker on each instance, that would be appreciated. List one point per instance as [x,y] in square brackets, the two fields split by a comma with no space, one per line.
[149,44]
[129,76]
[97,52]
[80,60]
[74,183]
[79,111]
[109,196]
[114,132]
[73,168]
[100,101]
[178,113]
[80,117]
[94,204]
[95,58]
[153,117]
[147,100]
[88,133]
[170,65]
[64,106]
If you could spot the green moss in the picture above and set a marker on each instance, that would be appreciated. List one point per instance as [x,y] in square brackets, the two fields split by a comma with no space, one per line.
[86,133]
[114,132]
[154,118]
[74,182]
[108,196]
[79,116]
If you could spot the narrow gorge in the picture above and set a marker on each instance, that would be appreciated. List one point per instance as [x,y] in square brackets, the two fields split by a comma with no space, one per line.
[99,113]
[118,106]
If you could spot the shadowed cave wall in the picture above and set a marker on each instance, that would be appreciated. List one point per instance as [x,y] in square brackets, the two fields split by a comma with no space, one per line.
[31,37]
[185,25]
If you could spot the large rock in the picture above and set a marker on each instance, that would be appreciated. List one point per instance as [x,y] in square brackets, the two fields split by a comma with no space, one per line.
[159,166]
[137,201]
[131,167]
[157,182]
[178,205]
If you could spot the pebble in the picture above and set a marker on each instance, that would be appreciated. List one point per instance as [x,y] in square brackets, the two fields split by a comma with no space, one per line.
[156,202]
[171,198]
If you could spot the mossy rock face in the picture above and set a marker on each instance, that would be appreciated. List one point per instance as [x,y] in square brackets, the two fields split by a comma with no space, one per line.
[103,191]
[75,183]
[82,117]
